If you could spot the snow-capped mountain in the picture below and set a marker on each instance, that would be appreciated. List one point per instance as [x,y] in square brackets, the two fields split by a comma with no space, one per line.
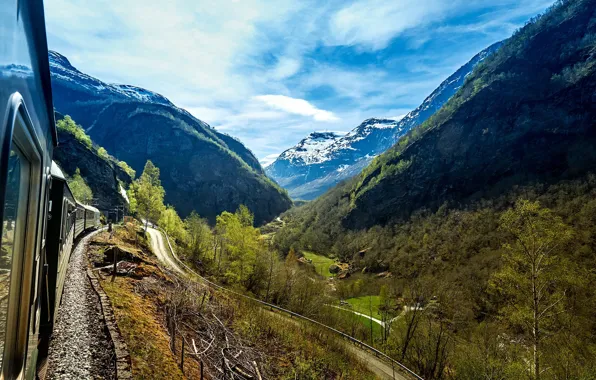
[201,169]
[310,149]
[61,69]
[339,158]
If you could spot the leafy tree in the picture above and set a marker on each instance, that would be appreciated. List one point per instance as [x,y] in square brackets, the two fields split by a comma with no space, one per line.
[172,224]
[413,314]
[199,235]
[241,243]
[151,174]
[245,217]
[385,310]
[149,194]
[101,152]
[132,199]
[535,280]
[130,171]
[432,347]
[81,191]
[489,354]
[68,125]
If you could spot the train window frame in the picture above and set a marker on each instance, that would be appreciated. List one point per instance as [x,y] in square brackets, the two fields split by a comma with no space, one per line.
[19,131]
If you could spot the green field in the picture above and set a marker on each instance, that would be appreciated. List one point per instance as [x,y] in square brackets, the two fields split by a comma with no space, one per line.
[377,329]
[362,305]
[320,262]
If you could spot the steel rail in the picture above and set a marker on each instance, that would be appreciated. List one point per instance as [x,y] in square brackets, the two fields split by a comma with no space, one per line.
[291,313]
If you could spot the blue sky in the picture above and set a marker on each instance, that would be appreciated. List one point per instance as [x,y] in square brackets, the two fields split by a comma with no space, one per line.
[270,72]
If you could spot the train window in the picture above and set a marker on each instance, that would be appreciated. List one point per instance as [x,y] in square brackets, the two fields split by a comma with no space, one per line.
[18,256]
[65,224]
[13,228]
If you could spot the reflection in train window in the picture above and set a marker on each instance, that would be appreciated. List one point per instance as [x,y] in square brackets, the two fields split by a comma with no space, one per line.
[13,228]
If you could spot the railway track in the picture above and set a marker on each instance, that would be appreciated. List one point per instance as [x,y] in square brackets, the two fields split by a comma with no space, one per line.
[380,363]
[80,347]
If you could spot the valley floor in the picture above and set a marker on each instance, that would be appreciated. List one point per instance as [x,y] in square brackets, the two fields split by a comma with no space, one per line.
[377,366]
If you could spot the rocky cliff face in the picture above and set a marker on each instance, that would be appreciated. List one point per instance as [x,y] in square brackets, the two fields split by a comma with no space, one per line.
[347,155]
[103,177]
[201,169]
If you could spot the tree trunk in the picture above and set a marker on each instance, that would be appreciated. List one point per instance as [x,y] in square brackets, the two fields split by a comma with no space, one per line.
[536,327]
[270,275]
[412,325]
[219,260]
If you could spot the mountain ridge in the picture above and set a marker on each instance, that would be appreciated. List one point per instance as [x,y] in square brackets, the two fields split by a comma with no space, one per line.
[204,170]
[372,137]
[524,116]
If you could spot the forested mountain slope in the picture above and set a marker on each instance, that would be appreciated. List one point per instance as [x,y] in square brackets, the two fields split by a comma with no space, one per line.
[308,173]
[526,114]
[204,170]
[483,218]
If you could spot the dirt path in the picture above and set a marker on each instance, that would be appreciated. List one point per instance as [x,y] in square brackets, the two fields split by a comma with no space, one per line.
[161,250]
[378,321]
[80,347]
[374,364]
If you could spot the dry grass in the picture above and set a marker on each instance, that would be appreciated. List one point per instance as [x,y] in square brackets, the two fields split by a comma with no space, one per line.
[138,314]
[280,349]
[147,340]
[297,350]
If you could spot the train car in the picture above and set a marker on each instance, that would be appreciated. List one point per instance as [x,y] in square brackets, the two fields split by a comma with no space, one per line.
[59,244]
[79,219]
[67,221]
[91,217]
[27,139]
[87,217]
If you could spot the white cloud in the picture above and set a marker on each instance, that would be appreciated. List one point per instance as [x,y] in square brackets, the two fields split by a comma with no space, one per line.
[296,106]
[373,23]
[217,58]
[397,118]
[285,68]
[187,50]
[268,159]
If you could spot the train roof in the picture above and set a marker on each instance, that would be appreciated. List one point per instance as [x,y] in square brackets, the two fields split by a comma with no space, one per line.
[89,208]
[57,172]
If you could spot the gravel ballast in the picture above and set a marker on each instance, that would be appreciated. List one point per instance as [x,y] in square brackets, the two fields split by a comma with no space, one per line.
[80,347]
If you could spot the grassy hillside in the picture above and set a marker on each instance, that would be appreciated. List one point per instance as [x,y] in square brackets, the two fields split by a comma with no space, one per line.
[525,114]
[320,263]
[146,298]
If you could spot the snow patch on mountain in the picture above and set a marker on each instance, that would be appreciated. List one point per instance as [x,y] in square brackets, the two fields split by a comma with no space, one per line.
[62,69]
[306,173]
[364,130]
[311,149]
[14,70]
